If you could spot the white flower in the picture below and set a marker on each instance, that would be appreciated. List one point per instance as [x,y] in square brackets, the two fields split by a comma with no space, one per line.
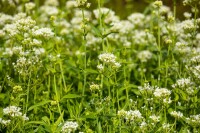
[25,118]
[49,10]
[51,2]
[165,125]
[94,87]
[137,19]
[100,67]
[155,118]
[71,4]
[81,2]
[109,15]
[44,32]
[161,92]
[4,122]
[143,124]
[107,57]
[144,56]
[116,65]
[39,51]
[29,6]
[12,111]
[121,113]
[69,126]
[146,87]
[133,115]
[177,114]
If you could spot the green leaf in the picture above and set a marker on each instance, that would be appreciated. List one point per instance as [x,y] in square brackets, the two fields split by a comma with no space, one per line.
[35,122]
[91,71]
[70,96]
[46,120]
[99,128]
[39,104]
[176,97]
[59,119]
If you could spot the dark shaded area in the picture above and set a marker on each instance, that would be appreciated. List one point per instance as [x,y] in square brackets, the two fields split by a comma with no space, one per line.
[123,8]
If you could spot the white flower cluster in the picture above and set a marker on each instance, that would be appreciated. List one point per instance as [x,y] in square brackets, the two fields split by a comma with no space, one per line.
[144,56]
[177,114]
[71,4]
[100,67]
[23,64]
[43,32]
[81,2]
[142,38]
[4,19]
[4,122]
[183,83]
[69,127]
[193,120]
[14,111]
[157,4]
[155,118]
[109,58]
[146,88]
[188,25]
[51,2]
[48,11]
[95,87]
[195,59]
[166,126]
[92,40]
[123,27]
[131,115]
[137,19]
[196,71]
[109,15]
[121,113]
[25,24]
[182,47]
[188,2]
[29,6]
[11,51]
[161,92]
[17,89]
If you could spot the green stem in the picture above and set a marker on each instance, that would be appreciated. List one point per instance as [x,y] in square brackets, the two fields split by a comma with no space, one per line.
[28,90]
[56,91]
[85,51]
[62,74]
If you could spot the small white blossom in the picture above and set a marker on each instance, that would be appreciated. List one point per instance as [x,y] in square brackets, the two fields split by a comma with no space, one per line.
[177,114]
[12,111]
[29,6]
[44,32]
[144,56]
[161,92]
[107,57]
[69,127]
[155,118]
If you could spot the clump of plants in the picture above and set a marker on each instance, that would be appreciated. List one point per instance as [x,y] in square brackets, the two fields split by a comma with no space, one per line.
[66,67]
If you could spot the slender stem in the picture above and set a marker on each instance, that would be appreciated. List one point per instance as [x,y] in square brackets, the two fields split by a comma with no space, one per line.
[56,91]
[62,74]
[28,90]
[159,46]
[85,51]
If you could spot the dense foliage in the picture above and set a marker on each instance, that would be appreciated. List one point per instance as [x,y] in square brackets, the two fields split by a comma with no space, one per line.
[72,69]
